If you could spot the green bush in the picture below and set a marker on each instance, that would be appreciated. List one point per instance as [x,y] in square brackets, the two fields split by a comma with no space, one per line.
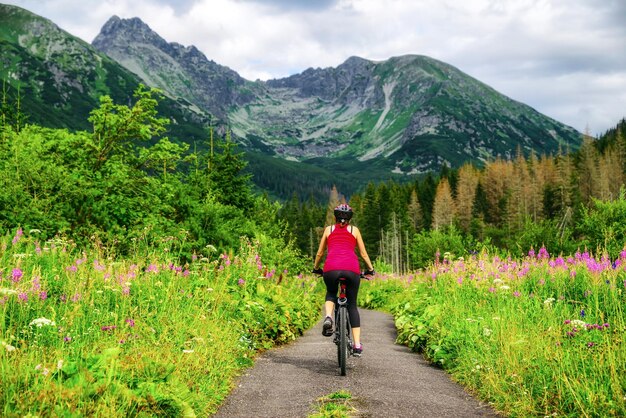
[603,226]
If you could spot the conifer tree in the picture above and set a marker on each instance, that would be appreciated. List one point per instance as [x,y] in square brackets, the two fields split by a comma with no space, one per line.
[414,210]
[466,191]
[333,201]
[443,206]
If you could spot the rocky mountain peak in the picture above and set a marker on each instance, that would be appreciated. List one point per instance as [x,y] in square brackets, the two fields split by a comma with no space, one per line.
[183,72]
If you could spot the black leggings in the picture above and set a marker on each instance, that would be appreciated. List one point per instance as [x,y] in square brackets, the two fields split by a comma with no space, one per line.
[353,280]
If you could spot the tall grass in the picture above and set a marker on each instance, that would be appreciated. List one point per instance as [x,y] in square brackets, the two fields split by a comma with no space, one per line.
[86,335]
[540,336]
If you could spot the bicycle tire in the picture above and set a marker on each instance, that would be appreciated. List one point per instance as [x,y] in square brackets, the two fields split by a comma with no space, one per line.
[343,340]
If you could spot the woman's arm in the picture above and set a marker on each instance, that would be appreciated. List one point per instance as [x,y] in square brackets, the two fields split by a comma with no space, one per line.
[321,249]
[361,245]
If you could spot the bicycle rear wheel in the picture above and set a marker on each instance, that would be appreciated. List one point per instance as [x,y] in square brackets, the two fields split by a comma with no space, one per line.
[342,345]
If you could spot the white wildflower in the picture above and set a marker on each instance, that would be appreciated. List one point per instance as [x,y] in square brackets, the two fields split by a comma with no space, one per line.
[188,351]
[498,281]
[40,322]
[487,332]
[577,323]
[5,291]
[8,347]
[59,364]
[548,302]
[504,287]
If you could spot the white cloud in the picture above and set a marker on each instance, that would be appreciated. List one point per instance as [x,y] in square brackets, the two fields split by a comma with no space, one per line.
[565,58]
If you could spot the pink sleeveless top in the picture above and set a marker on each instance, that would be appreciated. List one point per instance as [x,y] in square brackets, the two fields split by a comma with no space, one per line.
[341,255]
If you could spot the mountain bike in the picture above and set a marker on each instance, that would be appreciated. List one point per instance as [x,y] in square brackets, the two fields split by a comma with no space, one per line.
[343,328]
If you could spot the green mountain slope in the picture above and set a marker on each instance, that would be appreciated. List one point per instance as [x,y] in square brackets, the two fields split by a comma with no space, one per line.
[60,78]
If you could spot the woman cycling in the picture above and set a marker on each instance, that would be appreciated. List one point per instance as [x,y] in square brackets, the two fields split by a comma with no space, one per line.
[342,261]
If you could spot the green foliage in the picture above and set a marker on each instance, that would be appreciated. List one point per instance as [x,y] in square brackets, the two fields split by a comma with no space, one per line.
[124,187]
[336,405]
[534,336]
[431,246]
[603,226]
[84,334]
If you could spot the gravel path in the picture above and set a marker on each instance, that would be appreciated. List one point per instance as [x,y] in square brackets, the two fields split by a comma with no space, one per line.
[388,381]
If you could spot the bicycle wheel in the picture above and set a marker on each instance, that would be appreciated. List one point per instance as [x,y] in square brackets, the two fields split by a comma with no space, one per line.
[343,340]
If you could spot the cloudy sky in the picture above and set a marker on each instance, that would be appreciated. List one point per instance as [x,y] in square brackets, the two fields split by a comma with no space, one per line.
[565,58]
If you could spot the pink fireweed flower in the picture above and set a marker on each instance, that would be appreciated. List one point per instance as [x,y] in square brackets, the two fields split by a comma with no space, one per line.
[67,339]
[516,294]
[98,266]
[543,253]
[76,297]
[22,297]
[572,273]
[16,275]
[108,328]
[492,290]
[531,253]
[43,295]
[130,322]
[152,268]
[459,280]
[17,236]
[72,269]
[241,282]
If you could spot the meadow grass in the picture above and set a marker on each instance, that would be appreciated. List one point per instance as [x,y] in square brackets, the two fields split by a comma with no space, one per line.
[83,334]
[540,336]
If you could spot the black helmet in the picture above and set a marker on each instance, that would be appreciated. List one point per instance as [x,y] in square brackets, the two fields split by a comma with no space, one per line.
[343,213]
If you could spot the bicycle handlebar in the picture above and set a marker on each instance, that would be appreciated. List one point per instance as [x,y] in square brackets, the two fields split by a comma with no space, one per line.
[367,274]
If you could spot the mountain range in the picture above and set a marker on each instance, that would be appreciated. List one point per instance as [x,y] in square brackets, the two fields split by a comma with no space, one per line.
[359,122]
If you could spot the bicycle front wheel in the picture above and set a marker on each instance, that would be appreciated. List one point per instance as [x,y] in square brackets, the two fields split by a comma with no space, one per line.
[342,345]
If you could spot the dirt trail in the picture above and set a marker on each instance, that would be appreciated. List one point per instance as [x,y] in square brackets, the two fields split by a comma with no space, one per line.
[388,381]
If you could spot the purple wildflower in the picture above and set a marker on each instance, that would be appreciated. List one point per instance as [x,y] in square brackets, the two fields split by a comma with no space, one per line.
[16,275]
[241,282]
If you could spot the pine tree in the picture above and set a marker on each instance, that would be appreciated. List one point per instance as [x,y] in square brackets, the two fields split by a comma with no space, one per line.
[333,202]
[443,207]
[466,191]
[414,210]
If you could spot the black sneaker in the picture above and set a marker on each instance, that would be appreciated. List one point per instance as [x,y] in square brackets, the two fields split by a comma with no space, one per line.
[327,328]
[357,350]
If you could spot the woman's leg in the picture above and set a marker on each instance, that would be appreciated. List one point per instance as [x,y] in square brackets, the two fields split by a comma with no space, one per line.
[331,280]
[352,292]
